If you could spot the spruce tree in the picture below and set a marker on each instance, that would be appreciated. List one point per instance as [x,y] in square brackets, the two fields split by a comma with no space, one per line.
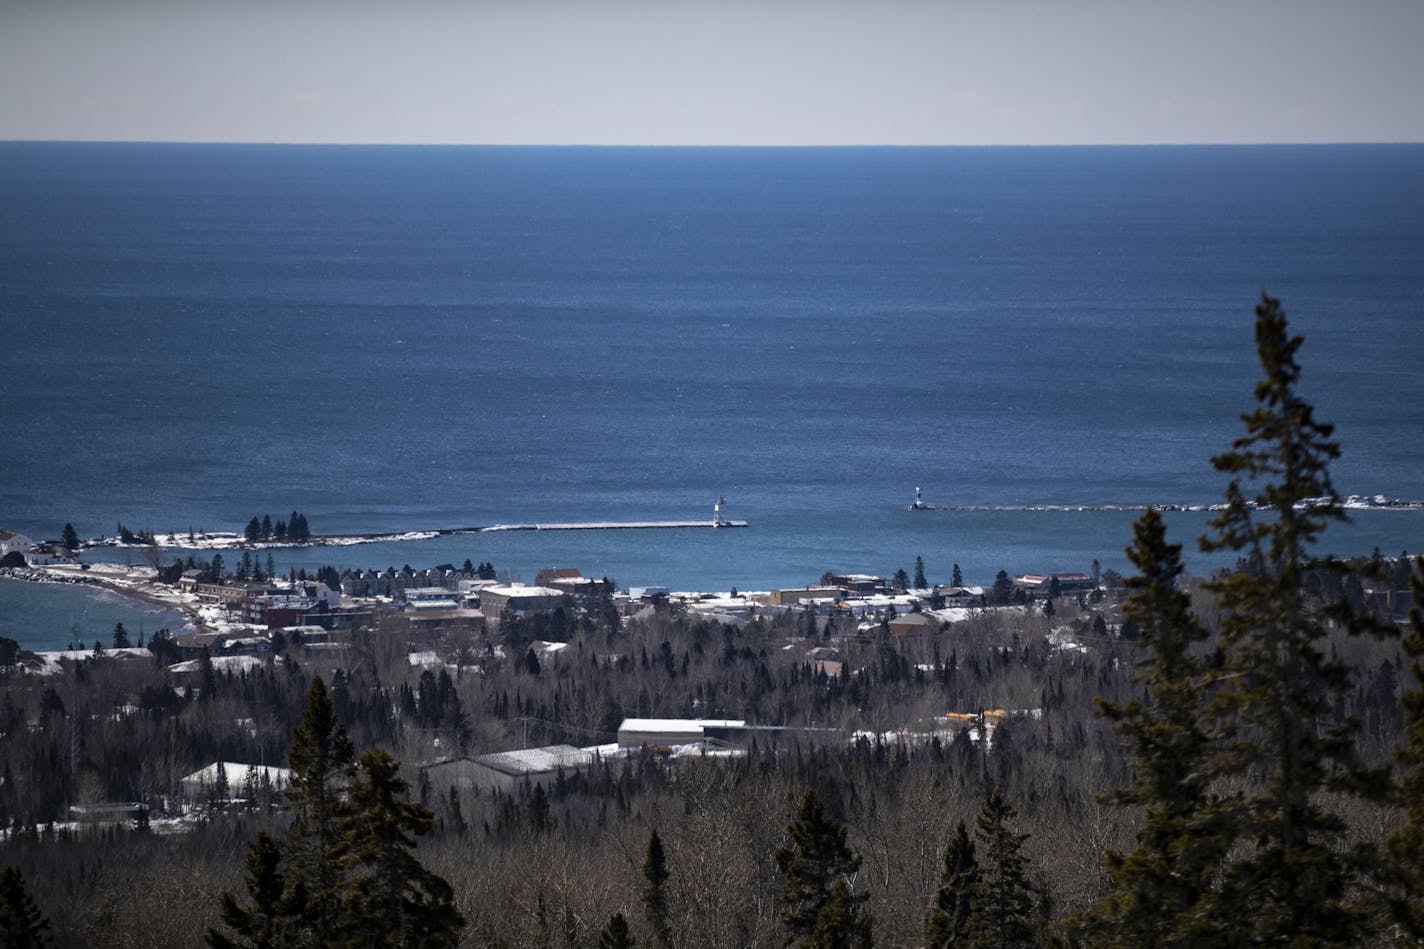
[1003,912]
[1406,845]
[920,581]
[1281,698]
[655,906]
[69,537]
[263,923]
[1153,891]
[388,897]
[615,934]
[321,763]
[814,862]
[947,924]
[22,925]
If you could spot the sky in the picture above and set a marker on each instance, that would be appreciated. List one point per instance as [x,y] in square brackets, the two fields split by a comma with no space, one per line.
[729,72]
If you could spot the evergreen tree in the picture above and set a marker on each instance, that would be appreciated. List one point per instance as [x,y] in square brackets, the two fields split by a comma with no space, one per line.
[321,763]
[252,531]
[22,925]
[389,898]
[920,581]
[264,922]
[841,924]
[538,810]
[615,934]
[121,637]
[901,580]
[1282,698]
[1406,845]
[947,924]
[266,529]
[69,538]
[814,862]
[1154,891]
[654,894]
[1003,901]
[958,578]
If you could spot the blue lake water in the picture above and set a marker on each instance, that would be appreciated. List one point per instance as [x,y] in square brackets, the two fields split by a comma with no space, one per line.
[394,338]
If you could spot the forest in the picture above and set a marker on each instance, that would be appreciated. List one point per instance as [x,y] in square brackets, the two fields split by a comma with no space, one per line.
[1229,760]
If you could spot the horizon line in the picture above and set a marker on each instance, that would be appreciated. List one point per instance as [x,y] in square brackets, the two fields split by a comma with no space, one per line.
[690,145]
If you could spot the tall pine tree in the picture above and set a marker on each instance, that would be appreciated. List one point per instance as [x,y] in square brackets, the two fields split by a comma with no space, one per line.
[947,925]
[655,906]
[22,925]
[265,921]
[388,897]
[1406,845]
[818,870]
[1281,696]
[1003,911]
[321,765]
[1153,892]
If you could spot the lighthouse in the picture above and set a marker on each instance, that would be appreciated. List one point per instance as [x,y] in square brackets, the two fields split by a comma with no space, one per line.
[717,511]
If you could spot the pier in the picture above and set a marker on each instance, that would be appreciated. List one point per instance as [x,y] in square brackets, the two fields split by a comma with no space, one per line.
[597,526]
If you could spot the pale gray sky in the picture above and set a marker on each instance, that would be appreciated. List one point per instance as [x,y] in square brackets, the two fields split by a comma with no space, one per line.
[717,73]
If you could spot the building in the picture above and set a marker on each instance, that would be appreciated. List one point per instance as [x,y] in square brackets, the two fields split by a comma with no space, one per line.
[666,732]
[509,771]
[207,782]
[14,542]
[518,599]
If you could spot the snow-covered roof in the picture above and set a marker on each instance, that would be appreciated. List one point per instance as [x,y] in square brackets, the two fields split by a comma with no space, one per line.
[519,589]
[676,725]
[225,663]
[236,773]
[527,761]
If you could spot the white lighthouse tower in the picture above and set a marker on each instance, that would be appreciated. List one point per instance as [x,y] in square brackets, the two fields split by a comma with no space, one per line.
[717,511]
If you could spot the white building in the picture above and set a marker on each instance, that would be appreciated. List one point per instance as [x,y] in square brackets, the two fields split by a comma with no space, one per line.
[12,541]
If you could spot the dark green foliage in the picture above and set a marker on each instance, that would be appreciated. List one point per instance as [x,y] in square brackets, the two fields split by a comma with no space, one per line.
[387,897]
[957,579]
[22,926]
[69,537]
[1281,698]
[121,637]
[1406,845]
[1154,891]
[655,906]
[262,923]
[817,864]
[948,922]
[9,651]
[920,581]
[538,811]
[1003,911]
[615,934]
[321,762]
[840,923]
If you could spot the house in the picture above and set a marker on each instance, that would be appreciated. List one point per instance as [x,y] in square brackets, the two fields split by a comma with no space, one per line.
[44,555]
[826,661]
[914,623]
[546,578]
[960,597]
[14,542]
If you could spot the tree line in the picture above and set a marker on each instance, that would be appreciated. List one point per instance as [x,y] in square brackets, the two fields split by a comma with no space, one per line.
[1236,788]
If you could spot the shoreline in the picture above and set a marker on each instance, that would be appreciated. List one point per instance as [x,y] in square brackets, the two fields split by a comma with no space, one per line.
[114,579]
